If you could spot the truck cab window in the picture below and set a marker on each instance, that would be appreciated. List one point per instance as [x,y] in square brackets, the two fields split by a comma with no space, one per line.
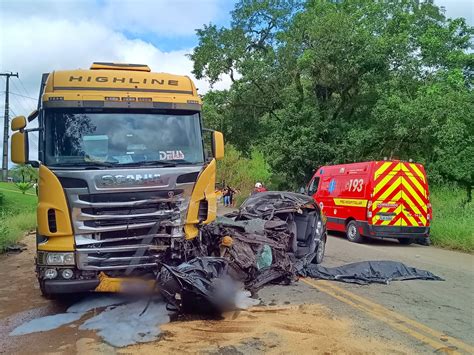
[75,136]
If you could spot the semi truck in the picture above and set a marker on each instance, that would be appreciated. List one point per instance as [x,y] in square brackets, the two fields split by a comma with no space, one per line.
[126,175]
[375,199]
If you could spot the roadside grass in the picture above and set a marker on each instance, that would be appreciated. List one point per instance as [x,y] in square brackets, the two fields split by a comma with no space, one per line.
[453,219]
[11,187]
[17,214]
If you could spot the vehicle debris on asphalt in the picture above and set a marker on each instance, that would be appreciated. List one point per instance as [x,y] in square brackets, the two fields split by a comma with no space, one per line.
[275,237]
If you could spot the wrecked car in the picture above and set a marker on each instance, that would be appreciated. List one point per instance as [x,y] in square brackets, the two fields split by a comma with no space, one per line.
[268,240]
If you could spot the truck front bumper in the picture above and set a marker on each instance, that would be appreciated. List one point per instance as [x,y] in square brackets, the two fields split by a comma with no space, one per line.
[69,286]
[102,283]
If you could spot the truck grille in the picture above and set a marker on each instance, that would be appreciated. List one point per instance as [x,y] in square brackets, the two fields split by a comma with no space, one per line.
[115,231]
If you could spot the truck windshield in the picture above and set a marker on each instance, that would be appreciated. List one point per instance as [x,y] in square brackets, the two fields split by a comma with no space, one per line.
[79,138]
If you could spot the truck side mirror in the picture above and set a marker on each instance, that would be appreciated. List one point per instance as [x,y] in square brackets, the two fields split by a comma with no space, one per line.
[19,147]
[19,142]
[18,123]
[218,145]
[33,115]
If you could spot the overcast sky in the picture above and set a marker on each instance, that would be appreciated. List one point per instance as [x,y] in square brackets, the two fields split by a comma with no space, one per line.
[41,36]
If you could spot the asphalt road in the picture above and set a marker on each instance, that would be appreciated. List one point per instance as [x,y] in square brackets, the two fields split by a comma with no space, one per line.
[422,315]
[309,316]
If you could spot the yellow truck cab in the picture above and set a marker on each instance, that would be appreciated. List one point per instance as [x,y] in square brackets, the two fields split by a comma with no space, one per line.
[124,179]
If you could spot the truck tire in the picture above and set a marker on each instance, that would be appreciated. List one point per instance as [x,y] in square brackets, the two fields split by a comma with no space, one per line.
[352,232]
[320,250]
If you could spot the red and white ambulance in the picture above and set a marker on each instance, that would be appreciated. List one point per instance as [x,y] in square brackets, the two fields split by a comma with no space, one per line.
[376,199]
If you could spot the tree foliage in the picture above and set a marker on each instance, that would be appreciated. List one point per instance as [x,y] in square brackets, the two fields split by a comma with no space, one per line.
[24,186]
[240,172]
[323,82]
[24,173]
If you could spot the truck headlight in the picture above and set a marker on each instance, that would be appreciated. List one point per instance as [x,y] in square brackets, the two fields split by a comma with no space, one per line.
[60,259]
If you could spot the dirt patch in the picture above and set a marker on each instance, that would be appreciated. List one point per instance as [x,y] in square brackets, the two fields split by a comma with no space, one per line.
[272,330]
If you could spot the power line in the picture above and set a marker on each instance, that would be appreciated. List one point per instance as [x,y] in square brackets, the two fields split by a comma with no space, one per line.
[26,97]
[18,104]
[21,100]
[27,93]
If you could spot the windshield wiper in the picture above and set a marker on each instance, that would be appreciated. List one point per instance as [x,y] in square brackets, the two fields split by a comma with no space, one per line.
[160,163]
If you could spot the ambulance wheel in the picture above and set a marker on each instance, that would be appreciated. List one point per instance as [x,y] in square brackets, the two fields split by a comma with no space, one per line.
[352,233]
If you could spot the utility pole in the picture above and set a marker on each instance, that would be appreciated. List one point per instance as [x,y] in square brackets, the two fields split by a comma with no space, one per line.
[6,126]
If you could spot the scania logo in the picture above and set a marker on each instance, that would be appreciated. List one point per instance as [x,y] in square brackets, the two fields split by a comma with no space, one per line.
[128,180]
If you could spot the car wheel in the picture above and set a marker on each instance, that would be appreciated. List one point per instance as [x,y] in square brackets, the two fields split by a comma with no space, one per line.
[352,233]
[318,259]
[405,241]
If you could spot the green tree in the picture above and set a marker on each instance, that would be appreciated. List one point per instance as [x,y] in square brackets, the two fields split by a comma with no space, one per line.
[24,173]
[242,173]
[24,186]
[322,82]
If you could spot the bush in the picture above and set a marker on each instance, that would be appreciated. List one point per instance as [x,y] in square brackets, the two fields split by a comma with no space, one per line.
[452,225]
[13,226]
[241,173]
[2,199]
[24,186]
[4,230]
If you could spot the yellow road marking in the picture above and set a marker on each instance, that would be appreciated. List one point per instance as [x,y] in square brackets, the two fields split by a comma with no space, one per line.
[394,319]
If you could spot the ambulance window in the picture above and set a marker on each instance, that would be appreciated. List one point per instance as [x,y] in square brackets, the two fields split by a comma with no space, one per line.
[313,187]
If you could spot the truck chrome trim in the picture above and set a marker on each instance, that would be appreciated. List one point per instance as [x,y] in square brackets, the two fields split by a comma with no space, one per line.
[118,227]
[89,217]
[122,248]
[116,267]
[80,240]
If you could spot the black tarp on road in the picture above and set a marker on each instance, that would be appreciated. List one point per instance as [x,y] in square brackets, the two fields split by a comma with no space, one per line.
[366,272]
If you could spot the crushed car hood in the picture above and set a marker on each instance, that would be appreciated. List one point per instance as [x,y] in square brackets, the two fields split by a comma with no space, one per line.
[265,204]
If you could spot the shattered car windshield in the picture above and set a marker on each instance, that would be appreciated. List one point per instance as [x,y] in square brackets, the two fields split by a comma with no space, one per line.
[108,137]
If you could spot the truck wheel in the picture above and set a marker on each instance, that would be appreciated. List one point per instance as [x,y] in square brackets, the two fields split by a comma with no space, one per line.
[318,259]
[352,233]
[405,241]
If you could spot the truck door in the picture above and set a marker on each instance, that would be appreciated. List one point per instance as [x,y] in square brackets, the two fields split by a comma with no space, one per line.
[387,195]
[414,196]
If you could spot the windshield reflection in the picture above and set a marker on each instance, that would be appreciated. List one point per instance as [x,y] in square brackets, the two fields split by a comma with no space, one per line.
[75,137]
